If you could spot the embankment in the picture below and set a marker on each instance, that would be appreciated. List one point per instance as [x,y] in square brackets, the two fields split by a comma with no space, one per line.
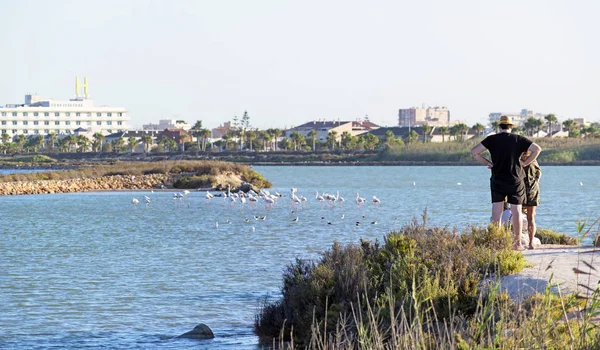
[116,182]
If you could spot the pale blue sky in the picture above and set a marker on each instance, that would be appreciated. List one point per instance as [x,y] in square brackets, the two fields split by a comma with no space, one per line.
[289,62]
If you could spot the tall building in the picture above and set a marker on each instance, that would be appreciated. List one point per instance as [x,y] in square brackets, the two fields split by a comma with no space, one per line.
[42,116]
[417,116]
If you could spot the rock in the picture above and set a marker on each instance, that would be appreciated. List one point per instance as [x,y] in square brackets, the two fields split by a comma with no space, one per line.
[246,187]
[525,240]
[201,331]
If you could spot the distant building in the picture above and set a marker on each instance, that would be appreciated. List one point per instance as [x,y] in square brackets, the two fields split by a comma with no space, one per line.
[417,116]
[137,134]
[42,116]
[519,119]
[178,135]
[323,128]
[434,135]
[167,124]
[219,131]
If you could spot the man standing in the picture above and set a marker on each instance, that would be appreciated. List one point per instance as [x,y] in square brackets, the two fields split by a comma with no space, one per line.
[507,179]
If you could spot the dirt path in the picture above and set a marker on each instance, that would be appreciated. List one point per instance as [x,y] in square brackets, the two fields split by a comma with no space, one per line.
[556,262]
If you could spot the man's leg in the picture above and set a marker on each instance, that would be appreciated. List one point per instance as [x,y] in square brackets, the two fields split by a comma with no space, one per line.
[531,224]
[517,224]
[497,209]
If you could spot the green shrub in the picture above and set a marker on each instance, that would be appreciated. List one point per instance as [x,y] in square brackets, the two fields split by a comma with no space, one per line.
[418,270]
[558,156]
[194,182]
[547,236]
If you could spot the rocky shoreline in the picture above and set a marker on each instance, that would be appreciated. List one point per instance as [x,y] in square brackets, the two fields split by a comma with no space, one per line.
[116,182]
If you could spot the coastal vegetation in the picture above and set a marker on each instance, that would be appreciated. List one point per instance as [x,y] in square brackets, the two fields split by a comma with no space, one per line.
[548,236]
[135,175]
[417,273]
[360,150]
[423,288]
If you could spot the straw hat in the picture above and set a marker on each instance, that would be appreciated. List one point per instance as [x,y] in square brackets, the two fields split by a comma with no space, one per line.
[506,120]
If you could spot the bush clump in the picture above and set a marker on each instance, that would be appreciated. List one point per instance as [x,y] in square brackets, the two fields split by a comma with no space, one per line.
[547,236]
[194,182]
[415,270]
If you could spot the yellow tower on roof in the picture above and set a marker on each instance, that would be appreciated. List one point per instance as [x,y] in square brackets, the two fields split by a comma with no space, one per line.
[84,86]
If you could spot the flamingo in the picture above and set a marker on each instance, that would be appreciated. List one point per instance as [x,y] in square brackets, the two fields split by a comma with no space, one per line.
[303,200]
[319,197]
[359,200]
[376,201]
[252,200]
[340,199]
[269,202]
[135,201]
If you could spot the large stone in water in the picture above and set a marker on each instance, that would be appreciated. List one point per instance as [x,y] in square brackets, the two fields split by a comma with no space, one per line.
[201,331]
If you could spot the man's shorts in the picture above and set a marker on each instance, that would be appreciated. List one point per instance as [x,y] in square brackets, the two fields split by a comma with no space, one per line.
[515,193]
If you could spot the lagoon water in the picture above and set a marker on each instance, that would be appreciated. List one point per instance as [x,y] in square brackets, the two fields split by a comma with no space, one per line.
[92,270]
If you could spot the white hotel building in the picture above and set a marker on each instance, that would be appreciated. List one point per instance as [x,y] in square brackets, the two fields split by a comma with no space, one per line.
[39,116]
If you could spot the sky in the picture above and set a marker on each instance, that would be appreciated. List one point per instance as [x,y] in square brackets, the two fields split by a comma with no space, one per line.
[289,62]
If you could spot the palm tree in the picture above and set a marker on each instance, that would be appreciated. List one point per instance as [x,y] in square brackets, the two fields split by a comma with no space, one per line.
[297,138]
[98,141]
[119,144]
[454,132]
[530,125]
[52,137]
[463,129]
[313,137]
[21,141]
[331,138]
[147,140]
[5,138]
[346,140]
[550,120]
[370,141]
[196,131]
[426,130]
[275,134]
[63,145]
[251,136]
[227,140]
[132,141]
[205,134]
[538,124]
[265,137]
[411,137]
[71,142]
[286,144]
[479,129]
[38,142]
[570,126]
[83,143]
[443,132]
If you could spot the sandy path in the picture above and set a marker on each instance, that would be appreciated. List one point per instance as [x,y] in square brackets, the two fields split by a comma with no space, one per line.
[556,261]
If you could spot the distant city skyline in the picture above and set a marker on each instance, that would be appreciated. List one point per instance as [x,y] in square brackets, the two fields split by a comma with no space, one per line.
[287,63]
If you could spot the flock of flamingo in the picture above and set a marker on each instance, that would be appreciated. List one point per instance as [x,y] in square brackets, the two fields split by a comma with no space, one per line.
[269,199]
[251,208]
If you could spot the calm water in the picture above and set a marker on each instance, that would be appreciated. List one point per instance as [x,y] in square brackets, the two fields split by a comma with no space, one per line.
[92,270]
